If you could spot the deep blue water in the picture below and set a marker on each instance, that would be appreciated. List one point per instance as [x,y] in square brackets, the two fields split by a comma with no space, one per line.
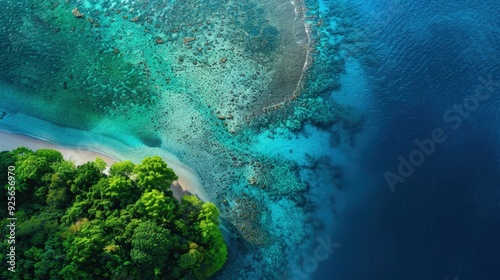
[443,221]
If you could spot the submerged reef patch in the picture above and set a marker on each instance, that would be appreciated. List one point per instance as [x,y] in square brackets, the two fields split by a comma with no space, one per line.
[67,70]
[152,141]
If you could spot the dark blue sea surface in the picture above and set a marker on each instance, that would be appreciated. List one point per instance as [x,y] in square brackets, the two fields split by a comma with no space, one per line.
[435,66]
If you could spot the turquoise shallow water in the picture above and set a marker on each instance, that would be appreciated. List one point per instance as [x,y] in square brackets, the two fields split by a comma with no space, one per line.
[219,84]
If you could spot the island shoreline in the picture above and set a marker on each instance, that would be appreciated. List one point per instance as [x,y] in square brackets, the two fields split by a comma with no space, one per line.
[186,184]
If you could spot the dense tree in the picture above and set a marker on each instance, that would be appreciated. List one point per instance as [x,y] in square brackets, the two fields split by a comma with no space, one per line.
[215,248]
[51,156]
[124,168]
[152,245]
[85,245]
[51,260]
[100,164]
[58,195]
[78,223]
[156,206]
[121,191]
[30,170]
[86,176]
[153,173]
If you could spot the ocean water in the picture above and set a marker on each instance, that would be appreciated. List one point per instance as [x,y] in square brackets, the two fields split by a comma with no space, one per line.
[443,221]
[290,129]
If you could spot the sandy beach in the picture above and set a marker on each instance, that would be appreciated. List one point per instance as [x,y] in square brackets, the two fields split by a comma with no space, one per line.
[187,183]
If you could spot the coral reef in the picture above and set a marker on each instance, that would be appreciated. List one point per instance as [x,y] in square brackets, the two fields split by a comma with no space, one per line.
[202,79]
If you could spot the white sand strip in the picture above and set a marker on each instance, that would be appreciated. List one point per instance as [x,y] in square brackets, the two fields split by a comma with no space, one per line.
[187,182]
[11,141]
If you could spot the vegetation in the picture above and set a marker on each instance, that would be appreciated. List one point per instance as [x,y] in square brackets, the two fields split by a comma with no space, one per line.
[76,222]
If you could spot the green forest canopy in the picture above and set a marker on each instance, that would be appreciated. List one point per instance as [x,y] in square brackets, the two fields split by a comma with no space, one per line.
[75,222]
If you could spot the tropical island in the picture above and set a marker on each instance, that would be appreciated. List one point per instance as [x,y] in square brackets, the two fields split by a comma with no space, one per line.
[94,222]
[236,97]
